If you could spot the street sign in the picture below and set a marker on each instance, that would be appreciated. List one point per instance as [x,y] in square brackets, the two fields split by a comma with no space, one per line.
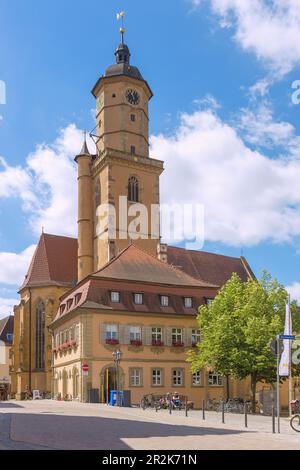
[273,347]
[287,337]
[85,369]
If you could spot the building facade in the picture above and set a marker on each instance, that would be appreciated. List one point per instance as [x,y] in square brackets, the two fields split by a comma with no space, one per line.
[6,340]
[83,299]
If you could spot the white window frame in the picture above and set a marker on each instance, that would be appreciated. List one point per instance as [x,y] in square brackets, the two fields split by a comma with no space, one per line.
[157,333]
[138,298]
[177,335]
[156,377]
[164,301]
[196,336]
[135,377]
[111,332]
[115,297]
[188,302]
[177,378]
[197,379]
[135,333]
[215,379]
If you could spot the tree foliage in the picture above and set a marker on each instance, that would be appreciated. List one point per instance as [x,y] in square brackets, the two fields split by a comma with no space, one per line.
[238,327]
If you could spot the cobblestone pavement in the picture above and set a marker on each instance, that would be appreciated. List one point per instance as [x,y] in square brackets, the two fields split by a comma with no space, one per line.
[58,425]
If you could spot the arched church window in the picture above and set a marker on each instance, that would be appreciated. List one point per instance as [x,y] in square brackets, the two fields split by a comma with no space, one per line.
[98,193]
[40,337]
[133,189]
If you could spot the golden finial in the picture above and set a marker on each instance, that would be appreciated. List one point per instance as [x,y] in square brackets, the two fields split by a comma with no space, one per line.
[121,16]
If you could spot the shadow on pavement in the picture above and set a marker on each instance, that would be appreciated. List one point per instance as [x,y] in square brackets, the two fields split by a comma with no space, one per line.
[9,405]
[92,433]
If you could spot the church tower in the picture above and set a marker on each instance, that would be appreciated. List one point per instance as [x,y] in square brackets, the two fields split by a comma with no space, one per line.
[122,168]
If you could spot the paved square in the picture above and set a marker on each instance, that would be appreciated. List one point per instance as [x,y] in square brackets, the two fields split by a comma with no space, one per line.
[69,426]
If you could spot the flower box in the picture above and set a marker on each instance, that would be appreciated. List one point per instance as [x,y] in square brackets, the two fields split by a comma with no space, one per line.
[112,342]
[178,344]
[74,343]
[158,343]
[136,343]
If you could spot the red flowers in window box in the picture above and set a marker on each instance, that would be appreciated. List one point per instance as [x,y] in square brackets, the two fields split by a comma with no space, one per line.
[158,343]
[73,343]
[137,343]
[178,344]
[112,342]
[54,350]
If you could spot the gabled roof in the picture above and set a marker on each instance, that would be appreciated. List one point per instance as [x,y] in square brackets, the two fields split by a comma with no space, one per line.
[54,262]
[213,268]
[134,264]
[6,328]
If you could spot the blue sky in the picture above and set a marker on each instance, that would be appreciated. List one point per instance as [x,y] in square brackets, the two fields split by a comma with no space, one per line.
[202,60]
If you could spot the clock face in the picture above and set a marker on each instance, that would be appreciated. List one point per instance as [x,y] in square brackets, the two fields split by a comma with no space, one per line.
[133,97]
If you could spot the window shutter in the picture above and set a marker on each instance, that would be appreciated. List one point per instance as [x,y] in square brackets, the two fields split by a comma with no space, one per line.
[169,336]
[187,336]
[126,334]
[102,332]
[147,335]
[121,334]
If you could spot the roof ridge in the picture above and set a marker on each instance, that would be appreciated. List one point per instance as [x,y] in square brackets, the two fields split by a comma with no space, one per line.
[43,240]
[158,261]
[204,252]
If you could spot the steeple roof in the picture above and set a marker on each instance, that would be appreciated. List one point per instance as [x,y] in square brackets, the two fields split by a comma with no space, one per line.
[54,262]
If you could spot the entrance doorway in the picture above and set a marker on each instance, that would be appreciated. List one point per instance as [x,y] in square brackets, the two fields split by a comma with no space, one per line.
[110,382]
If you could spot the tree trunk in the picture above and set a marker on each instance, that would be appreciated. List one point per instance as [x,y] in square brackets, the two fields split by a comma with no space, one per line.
[253,390]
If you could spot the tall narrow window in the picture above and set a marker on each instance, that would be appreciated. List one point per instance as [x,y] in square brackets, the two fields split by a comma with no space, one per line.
[133,189]
[98,194]
[40,337]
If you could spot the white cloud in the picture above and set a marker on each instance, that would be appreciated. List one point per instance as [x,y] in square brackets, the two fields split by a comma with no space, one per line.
[248,197]
[7,307]
[294,291]
[268,28]
[47,185]
[14,266]
[259,127]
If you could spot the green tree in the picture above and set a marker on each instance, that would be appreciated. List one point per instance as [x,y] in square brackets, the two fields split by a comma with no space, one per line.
[238,327]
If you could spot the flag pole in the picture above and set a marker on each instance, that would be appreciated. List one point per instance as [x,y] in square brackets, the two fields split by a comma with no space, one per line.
[278,385]
[290,359]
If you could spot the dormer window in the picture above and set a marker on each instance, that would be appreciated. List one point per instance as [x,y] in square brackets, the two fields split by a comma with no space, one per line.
[164,301]
[69,304]
[77,298]
[138,299]
[188,302]
[115,297]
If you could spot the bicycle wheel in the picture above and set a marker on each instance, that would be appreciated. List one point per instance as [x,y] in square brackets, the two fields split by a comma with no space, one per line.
[295,423]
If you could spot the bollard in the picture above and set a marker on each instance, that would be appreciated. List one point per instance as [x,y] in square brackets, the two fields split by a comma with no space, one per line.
[203,410]
[246,415]
[186,408]
[223,412]
[273,420]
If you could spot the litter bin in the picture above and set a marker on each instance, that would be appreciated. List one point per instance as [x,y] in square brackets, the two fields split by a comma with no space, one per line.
[127,398]
[113,398]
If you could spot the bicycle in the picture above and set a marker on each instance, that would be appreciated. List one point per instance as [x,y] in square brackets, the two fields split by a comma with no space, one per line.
[295,423]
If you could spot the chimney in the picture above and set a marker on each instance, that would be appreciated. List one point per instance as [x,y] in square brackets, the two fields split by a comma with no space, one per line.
[162,252]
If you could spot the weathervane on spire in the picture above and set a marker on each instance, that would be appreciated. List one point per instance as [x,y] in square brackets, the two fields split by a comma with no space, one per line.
[121,16]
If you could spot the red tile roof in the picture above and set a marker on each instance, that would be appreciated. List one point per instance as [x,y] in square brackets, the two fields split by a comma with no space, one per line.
[54,262]
[209,267]
[134,264]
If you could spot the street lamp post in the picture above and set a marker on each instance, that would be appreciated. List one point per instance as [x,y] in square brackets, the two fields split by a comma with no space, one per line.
[117,356]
